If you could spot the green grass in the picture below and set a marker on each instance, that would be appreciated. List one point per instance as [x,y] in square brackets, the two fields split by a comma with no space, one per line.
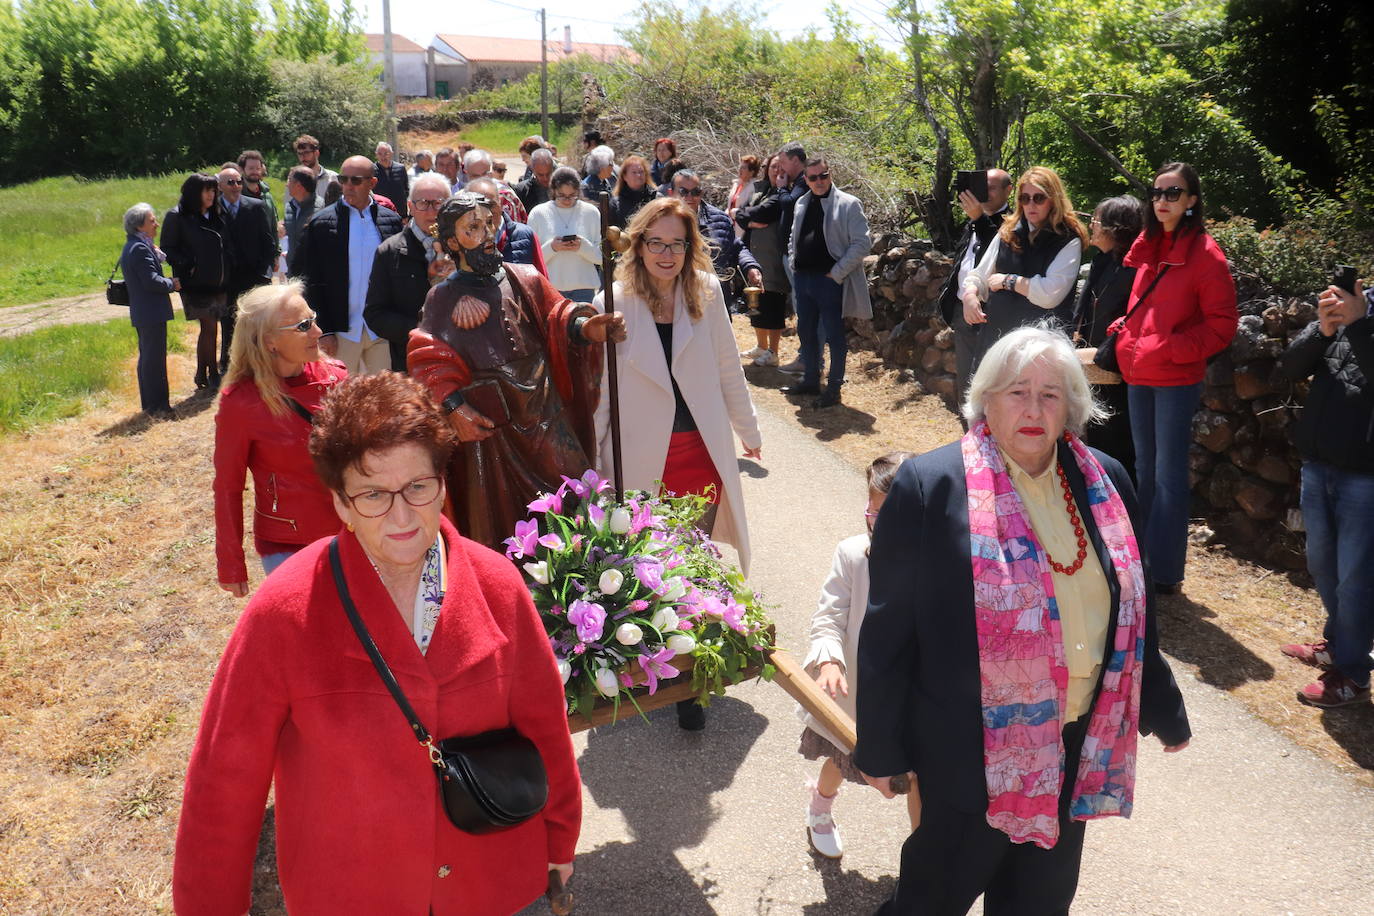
[505,136]
[48,374]
[61,236]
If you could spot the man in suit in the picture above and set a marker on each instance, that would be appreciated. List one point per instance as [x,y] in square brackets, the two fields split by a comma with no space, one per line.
[534,190]
[826,252]
[406,266]
[300,206]
[337,248]
[251,241]
[393,182]
[984,219]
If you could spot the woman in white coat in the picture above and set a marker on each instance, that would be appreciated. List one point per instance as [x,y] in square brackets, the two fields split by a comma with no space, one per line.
[683,396]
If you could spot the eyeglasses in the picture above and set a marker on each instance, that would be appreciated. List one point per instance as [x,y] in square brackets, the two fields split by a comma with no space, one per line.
[566,197]
[819,176]
[302,326]
[1038,198]
[688,192]
[1169,194]
[658,246]
[423,203]
[354,179]
[233,182]
[375,503]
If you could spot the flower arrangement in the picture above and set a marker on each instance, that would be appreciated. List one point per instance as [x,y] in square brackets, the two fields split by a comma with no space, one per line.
[632,593]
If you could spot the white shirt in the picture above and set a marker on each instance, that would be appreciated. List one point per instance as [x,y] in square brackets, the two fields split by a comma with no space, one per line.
[569,270]
[1047,291]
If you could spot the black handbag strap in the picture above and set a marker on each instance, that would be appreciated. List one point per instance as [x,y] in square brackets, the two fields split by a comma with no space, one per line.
[1145,295]
[114,270]
[364,637]
[308,417]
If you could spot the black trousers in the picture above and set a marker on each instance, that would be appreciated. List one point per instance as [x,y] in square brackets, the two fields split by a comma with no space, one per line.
[153,393]
[954,856]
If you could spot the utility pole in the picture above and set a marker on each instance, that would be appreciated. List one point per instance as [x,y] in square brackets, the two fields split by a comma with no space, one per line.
[543,74]
[389,76]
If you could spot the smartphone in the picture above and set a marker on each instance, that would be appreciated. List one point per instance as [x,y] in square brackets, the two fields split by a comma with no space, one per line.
[1344,277]
[573,238]
[975,181]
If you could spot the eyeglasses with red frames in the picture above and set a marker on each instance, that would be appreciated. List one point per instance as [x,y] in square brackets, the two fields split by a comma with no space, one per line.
[375,503]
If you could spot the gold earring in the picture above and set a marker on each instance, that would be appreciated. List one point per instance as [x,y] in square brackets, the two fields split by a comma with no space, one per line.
[348,525]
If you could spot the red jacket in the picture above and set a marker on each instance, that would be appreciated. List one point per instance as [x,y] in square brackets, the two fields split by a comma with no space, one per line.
[291,508]
[1190,315]
[359,826]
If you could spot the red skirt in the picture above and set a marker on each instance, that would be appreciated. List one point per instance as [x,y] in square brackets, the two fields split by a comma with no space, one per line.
[689,468]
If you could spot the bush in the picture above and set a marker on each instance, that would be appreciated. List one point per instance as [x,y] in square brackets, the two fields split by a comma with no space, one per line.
[341,105]
[1297,258]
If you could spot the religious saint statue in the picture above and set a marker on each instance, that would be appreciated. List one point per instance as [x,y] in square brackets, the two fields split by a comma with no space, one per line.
[516,367]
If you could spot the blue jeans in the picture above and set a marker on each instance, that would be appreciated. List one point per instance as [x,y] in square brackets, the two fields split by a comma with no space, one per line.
[1162,426]
[1338,512]
[579,295]
[272,560]
[820,301]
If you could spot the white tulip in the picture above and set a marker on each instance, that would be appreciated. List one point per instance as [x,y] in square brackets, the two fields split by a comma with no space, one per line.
[539,572]
[674,589]
[620,520]
[606,683]
[665,620]
[611,580]
[564,669]
[627,634]
[681,643]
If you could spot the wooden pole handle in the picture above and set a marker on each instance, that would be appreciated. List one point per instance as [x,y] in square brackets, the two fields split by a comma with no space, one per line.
[560,898]
[612,376]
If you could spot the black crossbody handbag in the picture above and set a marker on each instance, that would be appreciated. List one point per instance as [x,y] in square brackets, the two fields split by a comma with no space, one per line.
[1105,357]
[116,291]
[489,782]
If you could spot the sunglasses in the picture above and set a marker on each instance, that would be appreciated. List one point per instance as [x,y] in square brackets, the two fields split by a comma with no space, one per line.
[819,176]
[688,192]
[1169,194]
[354,179]
[301,326]
[233,182]
[1039,197]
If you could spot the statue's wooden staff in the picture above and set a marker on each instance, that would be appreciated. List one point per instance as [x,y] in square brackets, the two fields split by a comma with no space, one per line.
[612,241]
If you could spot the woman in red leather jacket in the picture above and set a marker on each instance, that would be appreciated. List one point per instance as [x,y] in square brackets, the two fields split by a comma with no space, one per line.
[1188,314]
[276,373]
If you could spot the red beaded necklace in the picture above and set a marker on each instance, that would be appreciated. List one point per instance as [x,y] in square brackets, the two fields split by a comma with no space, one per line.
[1078,531]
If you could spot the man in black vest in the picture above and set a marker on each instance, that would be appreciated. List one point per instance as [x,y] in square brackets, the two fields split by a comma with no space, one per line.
[984,219]
[251,241]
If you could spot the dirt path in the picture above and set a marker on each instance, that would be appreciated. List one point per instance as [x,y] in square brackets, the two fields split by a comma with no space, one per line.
[20,319]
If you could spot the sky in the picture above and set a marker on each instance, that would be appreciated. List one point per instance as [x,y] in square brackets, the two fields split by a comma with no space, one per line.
[419,20]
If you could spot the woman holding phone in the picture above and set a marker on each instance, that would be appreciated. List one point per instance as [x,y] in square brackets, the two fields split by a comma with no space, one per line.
[569,233]
[1182,311]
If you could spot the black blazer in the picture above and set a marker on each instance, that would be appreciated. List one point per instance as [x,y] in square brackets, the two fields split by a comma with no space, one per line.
[396,292]
[252,242]
[1103,298]
[920,702]
[983,229]
[322,260]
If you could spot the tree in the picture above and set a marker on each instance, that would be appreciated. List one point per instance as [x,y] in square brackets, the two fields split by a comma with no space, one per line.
[341,105]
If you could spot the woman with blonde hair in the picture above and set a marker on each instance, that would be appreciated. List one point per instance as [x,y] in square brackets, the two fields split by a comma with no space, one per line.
[276,380]
[682,388]
[1031,265]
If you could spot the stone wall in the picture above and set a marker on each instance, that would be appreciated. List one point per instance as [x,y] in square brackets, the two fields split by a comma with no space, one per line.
[1244,467]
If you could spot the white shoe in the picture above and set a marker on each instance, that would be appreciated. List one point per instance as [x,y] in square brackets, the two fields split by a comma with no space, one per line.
[750,355]
[793,368]
[767,358]
[824,835]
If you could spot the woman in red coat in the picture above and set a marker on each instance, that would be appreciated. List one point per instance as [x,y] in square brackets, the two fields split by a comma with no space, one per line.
[275,372]
[1188,315]
[296,703]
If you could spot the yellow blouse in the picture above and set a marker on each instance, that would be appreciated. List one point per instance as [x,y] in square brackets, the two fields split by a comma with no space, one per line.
[1084,599]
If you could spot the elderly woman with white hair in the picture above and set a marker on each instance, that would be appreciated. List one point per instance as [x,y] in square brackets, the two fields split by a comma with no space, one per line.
[276,382]
[600,169]
[1009,658]
[150,307]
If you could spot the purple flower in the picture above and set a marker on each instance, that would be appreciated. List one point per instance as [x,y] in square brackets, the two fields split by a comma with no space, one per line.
[551,541]
[650,574]
[656,666]
[626,681]
[577,486]
[643,518]
[733,615]
[597,516]
[525,541]
[589,618]
[548,502]
[639,604]
[579,648]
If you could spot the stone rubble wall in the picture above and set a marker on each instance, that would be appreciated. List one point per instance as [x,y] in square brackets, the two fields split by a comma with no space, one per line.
[1244,466]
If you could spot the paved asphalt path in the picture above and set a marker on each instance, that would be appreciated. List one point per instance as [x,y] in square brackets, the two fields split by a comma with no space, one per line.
[1242,822]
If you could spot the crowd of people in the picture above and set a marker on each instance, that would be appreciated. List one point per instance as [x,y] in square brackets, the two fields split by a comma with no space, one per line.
[441,335]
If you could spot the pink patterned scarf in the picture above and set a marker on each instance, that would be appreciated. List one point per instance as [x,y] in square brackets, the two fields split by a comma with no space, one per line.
[1021,654]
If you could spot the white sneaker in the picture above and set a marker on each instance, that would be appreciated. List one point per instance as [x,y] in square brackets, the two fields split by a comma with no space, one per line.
[750,355]
[793,368]
[767,358]
[824,835]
